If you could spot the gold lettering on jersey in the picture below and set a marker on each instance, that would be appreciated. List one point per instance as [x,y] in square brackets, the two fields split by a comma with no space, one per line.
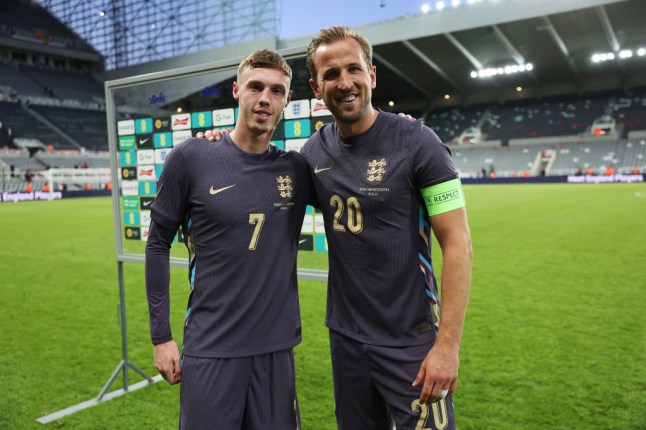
[285,186]
[376,170]
[374,192]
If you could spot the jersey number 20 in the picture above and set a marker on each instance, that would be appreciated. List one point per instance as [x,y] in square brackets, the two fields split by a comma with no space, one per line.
[355,217]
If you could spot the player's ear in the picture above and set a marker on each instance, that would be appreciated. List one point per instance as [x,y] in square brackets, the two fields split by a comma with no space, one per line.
[289,97]
[373,77]
[236,89]
[315,88]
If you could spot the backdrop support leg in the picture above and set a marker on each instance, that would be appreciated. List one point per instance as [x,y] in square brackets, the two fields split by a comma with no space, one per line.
[125,362]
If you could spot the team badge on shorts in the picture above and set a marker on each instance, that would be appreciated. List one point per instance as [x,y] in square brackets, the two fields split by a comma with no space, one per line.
[376,171]
[285,186]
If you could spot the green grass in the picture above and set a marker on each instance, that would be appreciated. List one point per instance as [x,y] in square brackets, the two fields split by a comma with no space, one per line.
[555,336]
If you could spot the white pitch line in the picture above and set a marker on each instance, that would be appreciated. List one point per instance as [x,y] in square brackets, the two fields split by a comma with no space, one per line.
[88,404]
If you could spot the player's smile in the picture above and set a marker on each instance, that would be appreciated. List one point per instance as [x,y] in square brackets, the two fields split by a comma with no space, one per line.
[262,115]
[347,99]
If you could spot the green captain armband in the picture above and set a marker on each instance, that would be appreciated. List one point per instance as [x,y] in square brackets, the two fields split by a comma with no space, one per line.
[444,197]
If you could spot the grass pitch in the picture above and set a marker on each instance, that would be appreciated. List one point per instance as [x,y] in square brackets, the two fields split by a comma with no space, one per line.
[555,336]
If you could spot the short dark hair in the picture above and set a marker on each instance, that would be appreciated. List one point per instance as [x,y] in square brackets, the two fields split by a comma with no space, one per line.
[333,34]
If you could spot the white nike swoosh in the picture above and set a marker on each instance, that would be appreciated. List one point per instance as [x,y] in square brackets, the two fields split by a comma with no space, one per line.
[146,204]
[301,241]
[318,170]
[141,142]
[219,190]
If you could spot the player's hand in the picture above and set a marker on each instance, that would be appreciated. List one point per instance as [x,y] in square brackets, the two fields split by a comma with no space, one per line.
[213,134]
[438,371]
[405,115]
[167,362]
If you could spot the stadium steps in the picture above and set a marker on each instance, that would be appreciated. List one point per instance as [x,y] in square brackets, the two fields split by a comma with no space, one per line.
[24,72]
[52,126]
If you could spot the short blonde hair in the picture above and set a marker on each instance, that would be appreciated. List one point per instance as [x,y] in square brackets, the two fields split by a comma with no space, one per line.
[333,34]
[266,59]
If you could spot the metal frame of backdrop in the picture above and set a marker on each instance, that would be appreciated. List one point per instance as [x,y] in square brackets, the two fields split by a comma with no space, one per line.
[122,256]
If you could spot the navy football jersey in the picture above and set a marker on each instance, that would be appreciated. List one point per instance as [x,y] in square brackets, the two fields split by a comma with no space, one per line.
[241,214]
[381,288]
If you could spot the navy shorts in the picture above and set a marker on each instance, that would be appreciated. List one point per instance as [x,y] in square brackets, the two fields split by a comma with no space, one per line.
[246,393]
[372,388]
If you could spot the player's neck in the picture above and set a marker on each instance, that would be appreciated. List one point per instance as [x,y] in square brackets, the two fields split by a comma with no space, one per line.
[249,142]
[355,128]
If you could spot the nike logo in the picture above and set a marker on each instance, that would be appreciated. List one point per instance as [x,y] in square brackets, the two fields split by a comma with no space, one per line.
[142,141]
[146,204]
[219,190]
[318,170]
[302,241]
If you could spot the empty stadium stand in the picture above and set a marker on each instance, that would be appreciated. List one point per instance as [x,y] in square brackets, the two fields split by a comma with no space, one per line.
[596,154]
[630,111]
[560,116]
[634,156]
[87,127]
[505,161]
[470,160]
[17,118]
[569,157]
[21,161]
[449,123]
[19,83]
[64,84]
[18,168]
[72,160]
[28,22]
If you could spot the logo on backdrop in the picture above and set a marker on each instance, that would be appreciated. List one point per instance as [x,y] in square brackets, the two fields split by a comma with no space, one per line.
[128,173]
[126,127]
[161,124]
[145,141]
[297,109]
[181,121]
[132,233]
[319,108]
[154,99]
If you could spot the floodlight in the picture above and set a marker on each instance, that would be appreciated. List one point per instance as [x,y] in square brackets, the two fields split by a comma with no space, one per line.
[626,53]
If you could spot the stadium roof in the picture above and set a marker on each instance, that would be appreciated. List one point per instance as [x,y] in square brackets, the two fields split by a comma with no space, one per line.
[422,58]
[428,56]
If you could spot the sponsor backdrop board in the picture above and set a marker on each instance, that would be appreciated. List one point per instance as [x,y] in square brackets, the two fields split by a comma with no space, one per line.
[150,117]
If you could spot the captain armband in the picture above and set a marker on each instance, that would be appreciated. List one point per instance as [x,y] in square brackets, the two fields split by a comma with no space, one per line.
[444,197]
